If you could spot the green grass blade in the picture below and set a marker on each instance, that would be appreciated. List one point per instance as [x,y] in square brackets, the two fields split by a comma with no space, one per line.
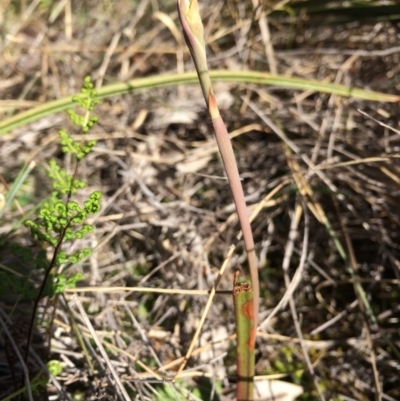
[16,186]
[245,332]
[335,12]
[137,84]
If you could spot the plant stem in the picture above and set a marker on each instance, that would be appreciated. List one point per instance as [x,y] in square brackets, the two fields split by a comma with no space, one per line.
[246,334]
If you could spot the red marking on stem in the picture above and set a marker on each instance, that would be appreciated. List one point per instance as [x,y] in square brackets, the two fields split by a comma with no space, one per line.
[212,101]
[247,310]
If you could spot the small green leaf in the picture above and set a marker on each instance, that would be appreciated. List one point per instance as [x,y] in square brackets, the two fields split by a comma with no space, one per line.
[54,367]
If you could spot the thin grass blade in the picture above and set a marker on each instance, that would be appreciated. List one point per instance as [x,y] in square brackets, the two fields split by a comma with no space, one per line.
[259,78]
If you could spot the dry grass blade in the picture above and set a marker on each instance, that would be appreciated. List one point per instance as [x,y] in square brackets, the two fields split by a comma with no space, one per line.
[205,311]
[119,386]
[170,291]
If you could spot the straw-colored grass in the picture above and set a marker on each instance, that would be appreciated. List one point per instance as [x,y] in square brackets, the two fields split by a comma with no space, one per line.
[320,173]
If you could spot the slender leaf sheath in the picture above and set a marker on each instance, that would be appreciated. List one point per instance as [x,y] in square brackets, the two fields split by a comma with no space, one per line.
[245,331]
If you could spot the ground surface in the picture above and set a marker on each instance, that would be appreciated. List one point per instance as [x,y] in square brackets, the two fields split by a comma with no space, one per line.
[167,218]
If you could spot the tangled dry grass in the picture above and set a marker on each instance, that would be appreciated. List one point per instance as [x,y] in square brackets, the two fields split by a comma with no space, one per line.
[325,197]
